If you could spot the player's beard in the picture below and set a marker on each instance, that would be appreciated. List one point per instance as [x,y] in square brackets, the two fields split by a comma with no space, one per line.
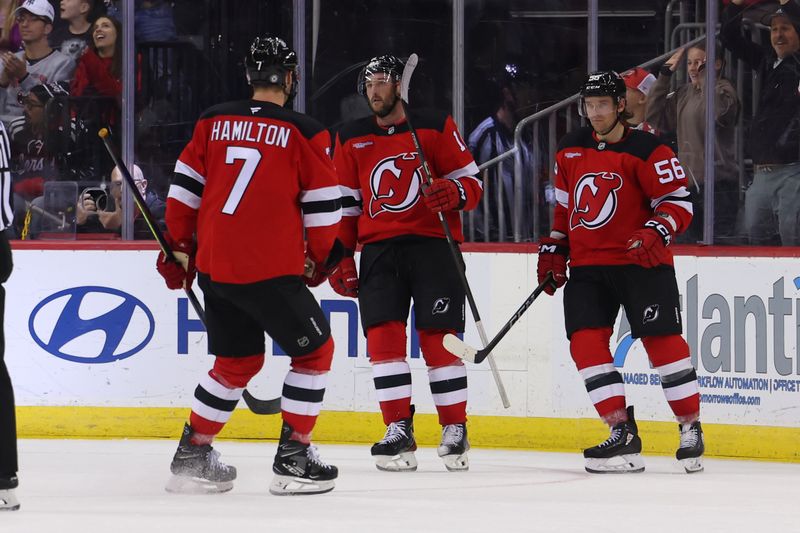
[384,107]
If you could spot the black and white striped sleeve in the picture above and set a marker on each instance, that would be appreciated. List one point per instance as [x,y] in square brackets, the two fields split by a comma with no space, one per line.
[6,210]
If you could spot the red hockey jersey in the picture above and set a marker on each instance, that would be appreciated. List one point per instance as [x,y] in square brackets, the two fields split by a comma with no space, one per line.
[251,179]
[381,177]
[606,191]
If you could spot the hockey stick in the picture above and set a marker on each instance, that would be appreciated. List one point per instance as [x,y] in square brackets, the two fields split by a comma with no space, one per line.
[259,407]
[408,70]
[459,348]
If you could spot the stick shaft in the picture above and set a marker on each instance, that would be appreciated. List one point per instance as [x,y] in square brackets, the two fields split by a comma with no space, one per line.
[454,249]
[488,347]
[151,222]
[261,407]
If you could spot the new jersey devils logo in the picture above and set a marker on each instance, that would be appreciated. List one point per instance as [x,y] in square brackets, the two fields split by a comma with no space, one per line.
[394,184]
[595,199]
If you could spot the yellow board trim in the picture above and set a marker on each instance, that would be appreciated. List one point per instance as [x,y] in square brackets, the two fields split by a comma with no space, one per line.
[542,434]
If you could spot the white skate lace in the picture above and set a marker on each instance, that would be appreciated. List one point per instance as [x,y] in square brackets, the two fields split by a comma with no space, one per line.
[616,435]
[689,436]
[214,463]
[313,455]
[452,434]
[394,432]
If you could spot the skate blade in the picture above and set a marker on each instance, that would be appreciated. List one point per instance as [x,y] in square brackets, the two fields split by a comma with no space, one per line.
[8,502]
[194,485]
[295,486]
[456,463]
[402,462]
[621,464]
[692,465]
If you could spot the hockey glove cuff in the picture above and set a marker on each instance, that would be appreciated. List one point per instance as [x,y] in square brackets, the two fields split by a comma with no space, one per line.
[647,247]
[553,255]
[344,280]
[444,195]
[179,270]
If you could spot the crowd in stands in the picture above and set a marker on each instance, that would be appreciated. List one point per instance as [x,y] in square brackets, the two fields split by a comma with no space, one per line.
[765,209]
[61,81]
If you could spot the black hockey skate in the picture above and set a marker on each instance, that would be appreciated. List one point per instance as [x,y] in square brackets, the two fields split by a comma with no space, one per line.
[395,451]
[690,452]
[454,446]
[620,453]
[197,469]
[298,468]
[8,501]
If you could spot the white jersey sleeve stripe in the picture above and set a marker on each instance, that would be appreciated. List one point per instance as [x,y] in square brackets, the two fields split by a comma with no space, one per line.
[183,168]
[468,171]
[349,192]
[320,195]
[562,197]
[316,220]
[184,196]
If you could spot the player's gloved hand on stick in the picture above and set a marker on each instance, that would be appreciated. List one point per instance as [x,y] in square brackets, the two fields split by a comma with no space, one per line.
[178,273]
[315,274]
[344,280]
[647,247]
[444,195]
[553,255]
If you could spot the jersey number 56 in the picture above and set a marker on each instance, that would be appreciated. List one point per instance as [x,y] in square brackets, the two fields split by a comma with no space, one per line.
[669,170]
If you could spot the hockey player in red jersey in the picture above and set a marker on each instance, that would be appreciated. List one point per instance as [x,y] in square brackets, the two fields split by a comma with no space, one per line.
[253,178]
[622,198]
[388,208]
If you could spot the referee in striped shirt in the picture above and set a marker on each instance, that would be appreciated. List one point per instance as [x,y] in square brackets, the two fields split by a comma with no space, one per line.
[8,429]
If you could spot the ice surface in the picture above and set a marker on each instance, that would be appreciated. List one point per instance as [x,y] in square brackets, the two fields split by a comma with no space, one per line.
[117,486]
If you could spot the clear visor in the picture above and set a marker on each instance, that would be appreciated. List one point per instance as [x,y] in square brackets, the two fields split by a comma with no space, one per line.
[374,79]
[596,106]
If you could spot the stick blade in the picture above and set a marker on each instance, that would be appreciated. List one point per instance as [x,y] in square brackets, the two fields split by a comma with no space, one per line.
[262,407]
[459,348]
[408,70]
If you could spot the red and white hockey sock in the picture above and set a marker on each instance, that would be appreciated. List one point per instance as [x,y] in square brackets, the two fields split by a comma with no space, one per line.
[301,402]
[304,389]
[447,375]
[217,394]
[592,356]
[449,390]
[669,354]
[393,389]
[386,345]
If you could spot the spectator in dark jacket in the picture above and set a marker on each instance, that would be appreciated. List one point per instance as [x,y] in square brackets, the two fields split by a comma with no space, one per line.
[772,203]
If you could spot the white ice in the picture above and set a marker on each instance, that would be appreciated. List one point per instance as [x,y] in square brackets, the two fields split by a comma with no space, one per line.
[117,486]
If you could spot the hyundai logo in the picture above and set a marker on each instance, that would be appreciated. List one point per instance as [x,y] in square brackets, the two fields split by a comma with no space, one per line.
[91,324]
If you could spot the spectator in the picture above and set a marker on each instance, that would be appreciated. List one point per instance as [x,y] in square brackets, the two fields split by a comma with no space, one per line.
[153,20]
[10,40]
[110,214]
[36,64]
[97,86]
[74,35]
[683,111]
[35,148]
[638,83]
[772,203]
[99,71]
[493,137]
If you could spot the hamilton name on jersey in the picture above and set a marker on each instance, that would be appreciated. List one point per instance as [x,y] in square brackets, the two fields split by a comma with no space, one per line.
[250,131]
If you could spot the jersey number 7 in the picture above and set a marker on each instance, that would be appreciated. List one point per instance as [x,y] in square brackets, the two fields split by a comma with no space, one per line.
[251,158]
